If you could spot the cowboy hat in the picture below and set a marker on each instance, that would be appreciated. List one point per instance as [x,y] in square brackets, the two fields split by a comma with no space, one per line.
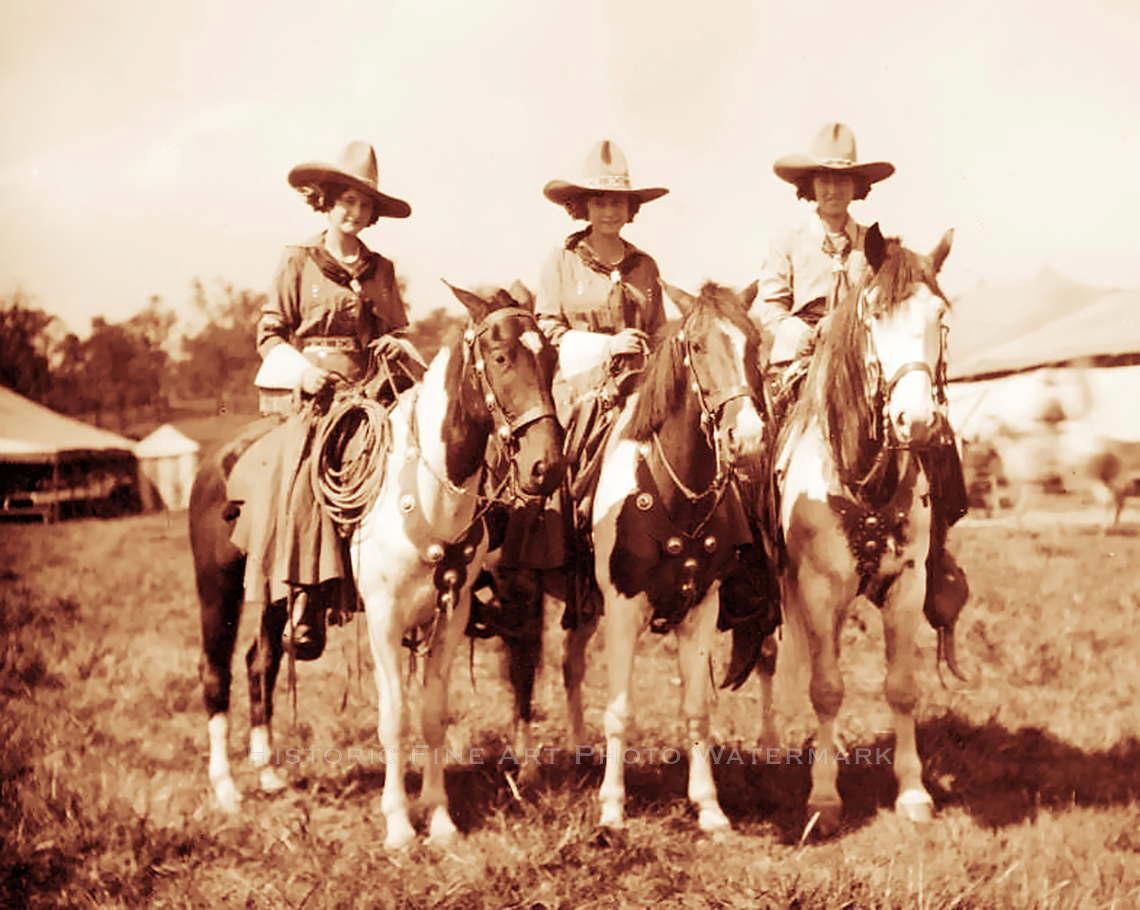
[356,168]
[833,151]
[605,171]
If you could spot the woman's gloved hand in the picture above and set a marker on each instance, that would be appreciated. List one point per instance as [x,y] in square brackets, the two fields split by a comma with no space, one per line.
[314,381]
[629,341]
[386,347]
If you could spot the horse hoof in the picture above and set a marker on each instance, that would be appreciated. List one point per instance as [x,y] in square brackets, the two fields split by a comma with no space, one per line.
[915,806]
[713,821]
[827,817]
[270,781]
[612,818]
[228,796]
[441,829]
[400,835]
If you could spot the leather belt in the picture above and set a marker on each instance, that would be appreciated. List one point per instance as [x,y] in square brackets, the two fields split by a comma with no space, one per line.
[331,343]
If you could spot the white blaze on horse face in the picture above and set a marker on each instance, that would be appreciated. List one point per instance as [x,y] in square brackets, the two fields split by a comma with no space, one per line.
[748,427]
[909,334]
[532,341]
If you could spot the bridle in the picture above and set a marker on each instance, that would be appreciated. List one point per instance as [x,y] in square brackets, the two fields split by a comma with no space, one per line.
[507,426]
[879,391]
[712,405]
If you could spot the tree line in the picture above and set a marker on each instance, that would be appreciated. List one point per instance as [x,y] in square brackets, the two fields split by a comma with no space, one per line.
[145,365]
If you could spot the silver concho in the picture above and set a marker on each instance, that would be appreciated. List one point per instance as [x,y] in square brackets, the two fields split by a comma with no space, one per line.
[644,501]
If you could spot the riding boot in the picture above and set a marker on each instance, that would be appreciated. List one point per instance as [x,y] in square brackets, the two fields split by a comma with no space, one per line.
[305,633]
[947,588]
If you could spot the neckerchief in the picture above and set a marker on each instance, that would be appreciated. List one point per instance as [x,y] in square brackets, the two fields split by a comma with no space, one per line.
[351,277]
[631,299]
[837,252]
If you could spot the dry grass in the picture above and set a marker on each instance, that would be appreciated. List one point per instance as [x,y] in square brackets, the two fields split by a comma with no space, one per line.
[1035,768]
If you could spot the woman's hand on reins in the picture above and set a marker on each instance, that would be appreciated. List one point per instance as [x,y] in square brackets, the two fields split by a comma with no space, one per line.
[314,381]
[386,347]
[629,341]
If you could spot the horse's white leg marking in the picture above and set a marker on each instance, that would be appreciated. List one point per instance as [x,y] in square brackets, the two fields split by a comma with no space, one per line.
[221,778]
[385,640]
[901,617]
[622,628]
[441,828]
[260,753]
[573,673]
[694,648]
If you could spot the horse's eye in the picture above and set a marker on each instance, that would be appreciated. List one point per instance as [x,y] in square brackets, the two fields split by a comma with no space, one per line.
[696,347]
[500,359]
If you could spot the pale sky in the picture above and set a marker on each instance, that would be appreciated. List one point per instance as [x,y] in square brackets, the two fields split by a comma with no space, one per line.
[147,143]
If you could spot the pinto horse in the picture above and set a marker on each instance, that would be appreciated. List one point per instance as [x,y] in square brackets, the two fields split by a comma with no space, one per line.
[414,553]
[853,500]
[667,519]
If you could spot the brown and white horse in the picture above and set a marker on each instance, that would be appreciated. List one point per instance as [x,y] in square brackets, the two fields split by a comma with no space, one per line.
[854,502]
[667,518]
[414,554]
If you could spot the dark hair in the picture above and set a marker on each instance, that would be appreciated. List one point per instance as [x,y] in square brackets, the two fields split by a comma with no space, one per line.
[321,197]
[806,190]
[576,205]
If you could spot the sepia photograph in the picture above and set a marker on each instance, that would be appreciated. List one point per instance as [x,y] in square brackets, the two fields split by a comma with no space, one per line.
[552,456]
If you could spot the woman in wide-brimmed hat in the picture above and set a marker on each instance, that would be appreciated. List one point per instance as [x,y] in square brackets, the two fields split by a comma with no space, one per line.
[809,266]
[599,301]
[332,301]
[807,274]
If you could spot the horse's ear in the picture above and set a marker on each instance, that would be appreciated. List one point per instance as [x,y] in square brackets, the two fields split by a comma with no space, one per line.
[875,247]
[748,295]
[521,295]
[683,299]
[503,299]
[938,256]
[476,305]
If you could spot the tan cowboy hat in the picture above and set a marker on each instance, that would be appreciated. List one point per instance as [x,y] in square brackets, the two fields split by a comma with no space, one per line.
[833,150]
[357,169]
[605,171]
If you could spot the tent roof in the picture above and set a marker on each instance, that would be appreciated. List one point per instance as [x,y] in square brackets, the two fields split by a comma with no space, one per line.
[1107,327]
[31,432]
[165,441]
[1006,328]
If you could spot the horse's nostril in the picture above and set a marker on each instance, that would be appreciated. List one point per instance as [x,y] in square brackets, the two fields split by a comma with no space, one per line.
[539,470]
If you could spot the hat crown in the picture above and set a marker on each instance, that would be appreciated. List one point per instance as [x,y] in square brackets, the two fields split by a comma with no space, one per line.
[359,160]
[606,167]
[834,144]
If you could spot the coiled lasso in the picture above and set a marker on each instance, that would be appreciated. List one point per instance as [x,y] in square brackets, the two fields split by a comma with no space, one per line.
[351,446]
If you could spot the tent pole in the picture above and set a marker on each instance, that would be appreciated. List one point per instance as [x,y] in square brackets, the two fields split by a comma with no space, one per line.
[53,512]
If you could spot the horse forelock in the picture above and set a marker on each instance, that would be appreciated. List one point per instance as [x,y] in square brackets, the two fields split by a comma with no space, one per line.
[661,388]
[897,277]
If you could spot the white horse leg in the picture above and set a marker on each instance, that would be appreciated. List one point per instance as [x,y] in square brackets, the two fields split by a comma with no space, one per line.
[623,617]
[573,673]
[441,828]
[694,649]
[260,753]
[901,616]
[385,643]
[221,777]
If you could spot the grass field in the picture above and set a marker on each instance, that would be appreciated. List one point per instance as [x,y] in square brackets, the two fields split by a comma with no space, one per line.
[1034,767]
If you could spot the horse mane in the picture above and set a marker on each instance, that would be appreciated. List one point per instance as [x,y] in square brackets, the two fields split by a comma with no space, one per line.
[835,387]
[665,379]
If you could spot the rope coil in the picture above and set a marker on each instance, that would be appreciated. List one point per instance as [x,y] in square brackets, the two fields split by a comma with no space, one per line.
[348,470]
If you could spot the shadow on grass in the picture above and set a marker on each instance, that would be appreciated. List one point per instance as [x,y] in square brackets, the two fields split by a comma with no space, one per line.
[999,777]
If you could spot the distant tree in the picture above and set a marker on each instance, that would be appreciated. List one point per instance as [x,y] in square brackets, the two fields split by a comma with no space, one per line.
[25,347]
[221,359]
[429,333]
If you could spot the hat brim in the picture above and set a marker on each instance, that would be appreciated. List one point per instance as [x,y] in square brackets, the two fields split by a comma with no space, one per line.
[316,173]
[562,191]
[793,168]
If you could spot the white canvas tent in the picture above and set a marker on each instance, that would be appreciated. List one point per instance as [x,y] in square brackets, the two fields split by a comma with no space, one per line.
[51,464]
[167,461]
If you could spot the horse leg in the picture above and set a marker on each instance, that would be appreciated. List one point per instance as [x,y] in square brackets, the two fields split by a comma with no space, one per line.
[573,674]
[384,637]
[818,603]
[694,649]
[263,660]
[902,614]
[521,592]
[220,605]
[441,828]
[622,630]
[769,737]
